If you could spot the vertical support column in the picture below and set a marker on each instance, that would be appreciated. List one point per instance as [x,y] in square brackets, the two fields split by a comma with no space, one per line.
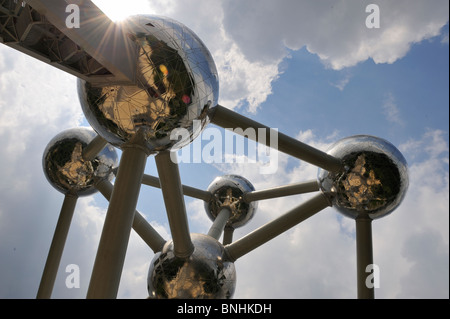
[364,256]
[57,247]
[118,223]
[140,224]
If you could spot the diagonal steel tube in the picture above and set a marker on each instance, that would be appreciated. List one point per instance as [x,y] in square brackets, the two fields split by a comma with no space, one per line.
[140,224]
[219,223]
[57,247]
[276,227]
[228,119]
[288,190]
[94,148]
[169,176]
[187,190]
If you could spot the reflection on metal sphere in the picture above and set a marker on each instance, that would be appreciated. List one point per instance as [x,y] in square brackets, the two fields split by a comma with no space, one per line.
[228,190]
[65,168]
[206,274]
[373,180]
[177,82]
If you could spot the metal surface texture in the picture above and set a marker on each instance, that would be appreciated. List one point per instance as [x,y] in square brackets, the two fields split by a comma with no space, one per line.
[228,191]
[373,181]
[67,170]
[203,275]
[177,83]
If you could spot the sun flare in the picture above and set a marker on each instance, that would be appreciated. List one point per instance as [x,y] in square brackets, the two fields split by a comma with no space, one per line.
[118,10]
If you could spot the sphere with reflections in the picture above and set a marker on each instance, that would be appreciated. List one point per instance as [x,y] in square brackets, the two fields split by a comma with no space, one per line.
[65,168]
[176,84]
[206,274]
[228,191]
[373,180]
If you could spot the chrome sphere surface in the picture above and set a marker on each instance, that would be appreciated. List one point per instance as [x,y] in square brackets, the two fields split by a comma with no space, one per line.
[206,274]
[227,191]
[65,168]
[176,84]
[373,180]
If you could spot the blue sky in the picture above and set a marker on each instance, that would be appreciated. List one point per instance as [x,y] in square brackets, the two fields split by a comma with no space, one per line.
[309,68]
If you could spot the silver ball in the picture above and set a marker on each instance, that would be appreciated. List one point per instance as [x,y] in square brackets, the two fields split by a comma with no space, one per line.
[206,274]
[176,84]
[231,188]
[373,180]
[65,168]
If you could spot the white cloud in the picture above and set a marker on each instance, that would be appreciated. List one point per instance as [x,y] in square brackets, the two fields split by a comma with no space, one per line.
[391,110]
[342,83]
[444,39]
[249,39]
[35,105]
[333,30]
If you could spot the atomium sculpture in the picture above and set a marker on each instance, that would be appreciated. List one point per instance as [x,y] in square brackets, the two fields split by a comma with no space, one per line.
[145,79]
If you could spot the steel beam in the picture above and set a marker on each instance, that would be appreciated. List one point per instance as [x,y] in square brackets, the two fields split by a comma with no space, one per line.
[276,227]
[294,189]
[229,119]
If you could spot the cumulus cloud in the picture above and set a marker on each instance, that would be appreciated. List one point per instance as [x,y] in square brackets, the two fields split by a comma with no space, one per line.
[249,39]
[334,30]
[423,216]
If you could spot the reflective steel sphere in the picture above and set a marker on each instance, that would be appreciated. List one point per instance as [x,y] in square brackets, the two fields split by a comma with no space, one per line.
[65,168]
[176,84]
[228,190]
[373,180]
[204,275]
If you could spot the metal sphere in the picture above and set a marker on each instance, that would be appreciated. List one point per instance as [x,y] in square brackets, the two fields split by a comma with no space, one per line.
[228,190]
[65,168]
[176,84]
[373,180]
[206,274]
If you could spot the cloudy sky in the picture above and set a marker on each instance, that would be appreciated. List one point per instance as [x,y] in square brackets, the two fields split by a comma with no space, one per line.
[313,70]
